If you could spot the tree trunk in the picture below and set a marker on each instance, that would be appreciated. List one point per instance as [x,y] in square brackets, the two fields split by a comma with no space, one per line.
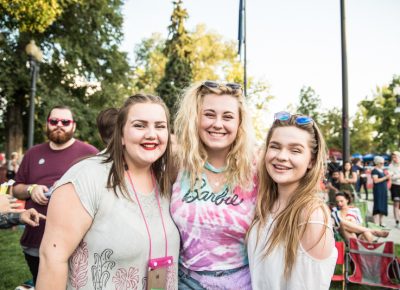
[14,128]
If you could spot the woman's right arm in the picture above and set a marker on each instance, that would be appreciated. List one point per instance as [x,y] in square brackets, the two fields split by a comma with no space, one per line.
[342,179]
[67,223]
[376,178]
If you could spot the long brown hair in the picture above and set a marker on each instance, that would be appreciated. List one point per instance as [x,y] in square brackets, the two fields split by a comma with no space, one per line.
[115,150]
[301,204]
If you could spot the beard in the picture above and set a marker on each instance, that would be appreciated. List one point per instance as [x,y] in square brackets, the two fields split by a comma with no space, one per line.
[59,136]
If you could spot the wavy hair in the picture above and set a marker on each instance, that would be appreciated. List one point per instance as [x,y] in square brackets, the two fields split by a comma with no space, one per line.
[115,150]
[303,202]
[193,155]
[346,194]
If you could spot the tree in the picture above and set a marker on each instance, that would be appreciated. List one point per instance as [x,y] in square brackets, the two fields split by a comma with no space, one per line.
[380,112]
[309,103]
[329,122]
[331,128]
[149,66]
[83,68]
[212,58]
[178,71]
[361,133]
[258,98]
[33,15]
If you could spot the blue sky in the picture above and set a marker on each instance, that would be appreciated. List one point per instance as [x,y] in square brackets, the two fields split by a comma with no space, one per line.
[292,43]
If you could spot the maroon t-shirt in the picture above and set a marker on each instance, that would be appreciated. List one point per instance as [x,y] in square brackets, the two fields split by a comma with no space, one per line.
[43,165]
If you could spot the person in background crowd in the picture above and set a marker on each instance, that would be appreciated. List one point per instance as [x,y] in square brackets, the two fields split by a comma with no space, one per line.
[3,174]
[333,165]
[3,160]
[12,165]
[348,220]
[213,198]
[40,168]
[333,187]
[348,178]
[291,243]
[394,171]
[10,216]
[362,177]
[109,219]
[105,121]
[380,191]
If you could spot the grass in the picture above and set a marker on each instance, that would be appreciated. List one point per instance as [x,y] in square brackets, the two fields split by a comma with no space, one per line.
[13,268]
[14,271]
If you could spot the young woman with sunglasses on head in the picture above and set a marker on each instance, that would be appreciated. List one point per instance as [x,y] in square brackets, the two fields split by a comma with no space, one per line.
[213,199]
[291,243]
[108,224]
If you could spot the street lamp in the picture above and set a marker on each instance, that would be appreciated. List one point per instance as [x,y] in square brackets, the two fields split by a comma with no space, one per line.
[35,57]
[396,92]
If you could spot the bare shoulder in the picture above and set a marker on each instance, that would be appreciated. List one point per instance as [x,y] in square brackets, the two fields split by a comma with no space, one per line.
[318,239]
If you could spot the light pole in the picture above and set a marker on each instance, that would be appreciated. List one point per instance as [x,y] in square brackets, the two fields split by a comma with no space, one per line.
[35,57]
[345,100]
[396,92]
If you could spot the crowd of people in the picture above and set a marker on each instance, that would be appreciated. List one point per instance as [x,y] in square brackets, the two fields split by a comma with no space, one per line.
[352,177]
[202,208]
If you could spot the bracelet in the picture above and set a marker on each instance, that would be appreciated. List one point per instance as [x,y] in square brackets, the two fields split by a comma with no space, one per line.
[30,188]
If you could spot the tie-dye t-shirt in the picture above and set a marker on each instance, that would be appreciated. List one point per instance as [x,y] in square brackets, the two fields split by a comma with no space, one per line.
[213,226]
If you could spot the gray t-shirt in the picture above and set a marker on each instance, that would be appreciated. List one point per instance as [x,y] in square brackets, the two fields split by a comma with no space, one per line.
[114,253]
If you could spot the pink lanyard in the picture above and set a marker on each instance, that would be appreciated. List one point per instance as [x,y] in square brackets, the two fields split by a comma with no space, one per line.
[144,218]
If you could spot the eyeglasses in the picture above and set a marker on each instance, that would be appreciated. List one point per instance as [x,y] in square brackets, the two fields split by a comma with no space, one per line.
[55,121]
[300,119]
[215,85]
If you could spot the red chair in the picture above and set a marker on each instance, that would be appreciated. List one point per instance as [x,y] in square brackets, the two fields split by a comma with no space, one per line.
[372,263]
[341,260]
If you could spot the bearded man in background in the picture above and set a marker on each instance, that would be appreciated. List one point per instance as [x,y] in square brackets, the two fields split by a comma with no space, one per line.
[41,167]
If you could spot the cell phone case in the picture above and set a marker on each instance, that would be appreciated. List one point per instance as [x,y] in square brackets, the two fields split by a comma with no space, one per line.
[161,262]
[157,279]
[158,272]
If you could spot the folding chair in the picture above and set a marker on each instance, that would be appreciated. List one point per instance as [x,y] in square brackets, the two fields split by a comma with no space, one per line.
[341,248]
[372,263]
[363,207]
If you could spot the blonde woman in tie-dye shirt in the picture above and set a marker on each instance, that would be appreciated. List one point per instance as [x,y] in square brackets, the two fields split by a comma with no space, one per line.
[213,199]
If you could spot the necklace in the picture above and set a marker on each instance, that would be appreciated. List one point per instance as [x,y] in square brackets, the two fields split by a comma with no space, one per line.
[208,166]
[215,180]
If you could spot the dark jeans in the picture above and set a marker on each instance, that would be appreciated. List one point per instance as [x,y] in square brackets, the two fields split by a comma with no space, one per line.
[33,264]
[362,183]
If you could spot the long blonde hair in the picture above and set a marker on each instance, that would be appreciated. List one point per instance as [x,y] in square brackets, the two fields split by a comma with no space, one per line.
[192,154]
[115,150]
[301,204]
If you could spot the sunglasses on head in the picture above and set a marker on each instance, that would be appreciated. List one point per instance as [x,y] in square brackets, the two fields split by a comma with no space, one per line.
[55,121]
[215,85]
[300,119]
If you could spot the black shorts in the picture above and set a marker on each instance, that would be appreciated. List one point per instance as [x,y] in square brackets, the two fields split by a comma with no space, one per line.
[395,191]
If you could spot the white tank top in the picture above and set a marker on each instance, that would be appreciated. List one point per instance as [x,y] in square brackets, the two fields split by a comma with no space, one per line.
[268,273]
